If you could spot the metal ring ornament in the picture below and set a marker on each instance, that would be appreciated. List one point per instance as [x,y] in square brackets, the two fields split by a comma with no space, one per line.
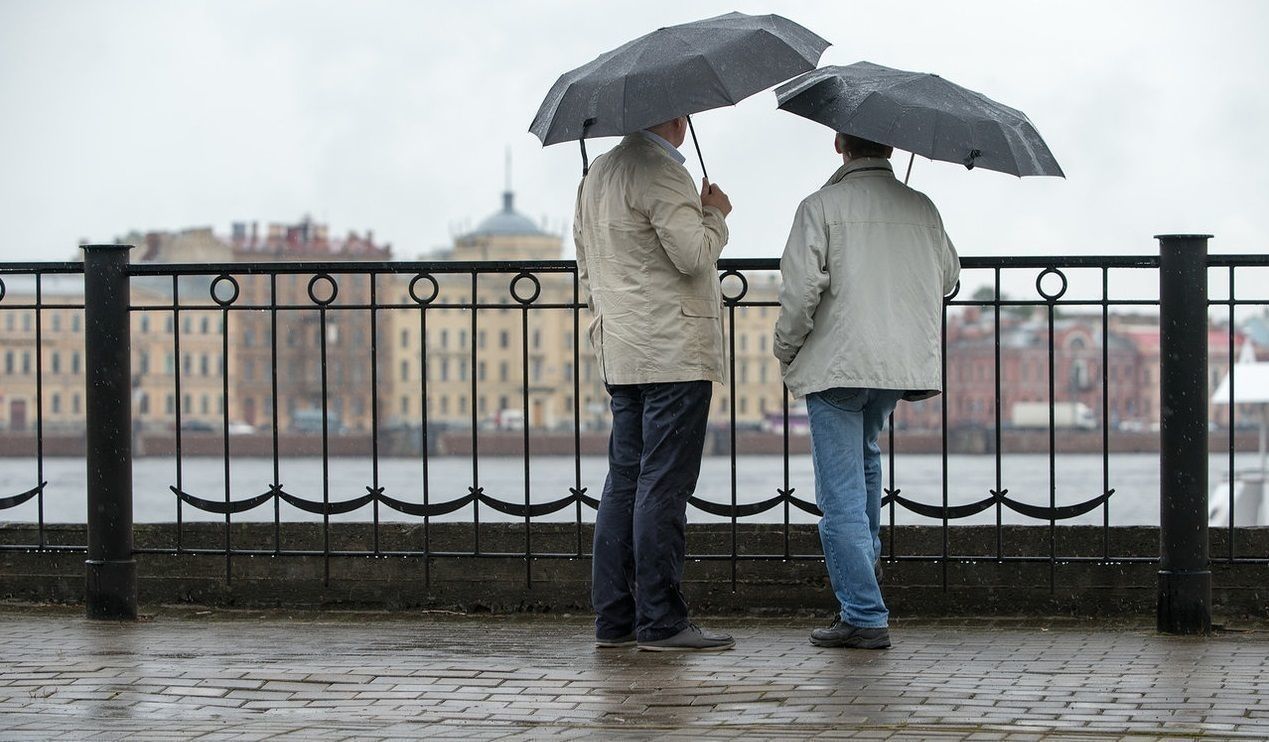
[1039,281]
[744,286]
[334,289]
[3,290]
[537,288]
[233,282]
[955,290]
[436,289]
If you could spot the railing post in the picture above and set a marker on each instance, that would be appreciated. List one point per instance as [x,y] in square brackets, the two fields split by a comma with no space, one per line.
[111,571]
[1185,580]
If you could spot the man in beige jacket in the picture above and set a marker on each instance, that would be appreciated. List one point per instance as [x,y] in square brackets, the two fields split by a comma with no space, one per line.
[863,279]
[647,244]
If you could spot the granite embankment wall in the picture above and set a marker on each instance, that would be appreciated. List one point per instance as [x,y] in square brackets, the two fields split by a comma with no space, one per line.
[1077,584]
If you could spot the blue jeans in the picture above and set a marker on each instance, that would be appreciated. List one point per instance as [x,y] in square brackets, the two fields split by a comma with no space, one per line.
[654,459]
[845,424]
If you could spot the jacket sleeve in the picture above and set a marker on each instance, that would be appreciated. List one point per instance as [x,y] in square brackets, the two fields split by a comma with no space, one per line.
[583,276]
[951,262]
[803,279]
[692,237]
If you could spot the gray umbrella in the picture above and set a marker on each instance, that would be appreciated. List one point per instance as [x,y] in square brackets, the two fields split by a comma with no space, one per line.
[675,71]
[922,114]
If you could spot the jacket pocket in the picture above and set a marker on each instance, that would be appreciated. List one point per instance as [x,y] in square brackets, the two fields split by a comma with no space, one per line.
[699,307]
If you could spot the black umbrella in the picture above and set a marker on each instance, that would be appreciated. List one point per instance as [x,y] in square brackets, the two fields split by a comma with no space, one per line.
[922,114]
[675,71]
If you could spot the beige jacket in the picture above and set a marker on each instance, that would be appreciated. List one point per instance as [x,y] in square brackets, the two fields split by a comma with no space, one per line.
[864,275]
[646,255]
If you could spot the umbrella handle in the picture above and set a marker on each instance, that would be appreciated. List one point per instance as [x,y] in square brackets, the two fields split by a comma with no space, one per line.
[582,141]
[911,159]
[698,147]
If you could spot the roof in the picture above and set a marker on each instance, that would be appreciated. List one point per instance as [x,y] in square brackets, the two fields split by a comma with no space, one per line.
[507,222]
[1251,385]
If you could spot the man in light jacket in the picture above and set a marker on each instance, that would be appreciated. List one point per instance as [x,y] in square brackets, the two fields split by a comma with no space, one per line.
[647,244]
[863,274]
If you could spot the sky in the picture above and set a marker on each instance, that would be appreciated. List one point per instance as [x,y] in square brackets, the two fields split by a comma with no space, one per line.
[396,116]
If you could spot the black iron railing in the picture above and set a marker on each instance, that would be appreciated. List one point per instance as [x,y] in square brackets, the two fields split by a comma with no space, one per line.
[307,310]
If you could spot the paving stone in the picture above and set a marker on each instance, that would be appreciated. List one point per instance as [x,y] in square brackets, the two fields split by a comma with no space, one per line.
[324,677]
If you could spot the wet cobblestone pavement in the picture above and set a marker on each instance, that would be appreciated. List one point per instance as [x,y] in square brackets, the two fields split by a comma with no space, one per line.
[251,676]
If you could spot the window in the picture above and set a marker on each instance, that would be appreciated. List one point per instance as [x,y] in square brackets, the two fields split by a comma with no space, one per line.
[568,372]
[203,326]
[405,370]
[169,405]
[462,338]
[444,338]
[405,338]
[444,364]
[502,403]
[405,406]
[57,403]
[143,362]
[145,323]
[75,403]
[462,369]
[444,405]
[144,404]
[187,404]
[537,339]
[26,363]
[57,322]
[8,361]
[57,363]
[502,371]
[74,323]
[203,366]
[462,404]
[504,339]
[480,372]
[480,340]
[205,406]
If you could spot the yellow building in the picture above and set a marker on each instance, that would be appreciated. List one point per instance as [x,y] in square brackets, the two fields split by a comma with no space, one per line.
[497,363]
[477,360]
[61,358]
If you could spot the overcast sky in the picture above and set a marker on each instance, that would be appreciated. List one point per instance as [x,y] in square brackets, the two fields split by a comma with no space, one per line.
[396,116]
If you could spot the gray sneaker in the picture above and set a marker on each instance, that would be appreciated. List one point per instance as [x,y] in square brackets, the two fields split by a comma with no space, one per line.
[614,642]
[842,634]
[691,639]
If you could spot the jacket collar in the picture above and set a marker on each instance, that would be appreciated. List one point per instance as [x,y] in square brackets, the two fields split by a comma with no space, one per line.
[869,163]
[638,139]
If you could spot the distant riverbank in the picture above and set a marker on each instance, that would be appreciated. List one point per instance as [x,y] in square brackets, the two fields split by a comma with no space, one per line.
[410,443]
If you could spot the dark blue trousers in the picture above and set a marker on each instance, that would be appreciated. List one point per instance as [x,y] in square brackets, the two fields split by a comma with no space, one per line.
[654,459]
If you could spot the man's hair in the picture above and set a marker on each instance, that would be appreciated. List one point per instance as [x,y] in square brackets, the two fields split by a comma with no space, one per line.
[860,147]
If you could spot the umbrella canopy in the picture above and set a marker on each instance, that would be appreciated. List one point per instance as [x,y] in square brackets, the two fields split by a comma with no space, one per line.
[675,71]
[920,113]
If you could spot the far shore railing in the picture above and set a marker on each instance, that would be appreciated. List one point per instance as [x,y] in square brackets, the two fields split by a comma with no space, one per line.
[338,332]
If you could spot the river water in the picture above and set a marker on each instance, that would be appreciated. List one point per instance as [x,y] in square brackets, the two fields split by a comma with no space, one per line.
[1134,477]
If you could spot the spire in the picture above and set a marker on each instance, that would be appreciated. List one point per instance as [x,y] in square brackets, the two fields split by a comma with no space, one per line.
[508,196]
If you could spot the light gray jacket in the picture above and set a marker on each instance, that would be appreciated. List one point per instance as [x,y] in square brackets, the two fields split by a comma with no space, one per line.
[646,255]
[864,274]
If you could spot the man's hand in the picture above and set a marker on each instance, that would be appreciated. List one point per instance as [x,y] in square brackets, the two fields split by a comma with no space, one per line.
[712,195]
